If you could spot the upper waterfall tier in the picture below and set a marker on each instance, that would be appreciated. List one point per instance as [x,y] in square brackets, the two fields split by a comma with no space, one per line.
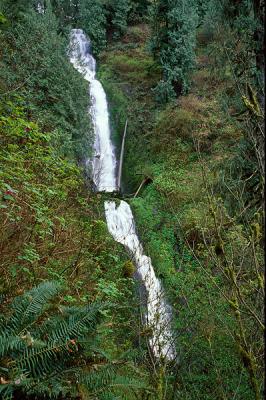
[104,160]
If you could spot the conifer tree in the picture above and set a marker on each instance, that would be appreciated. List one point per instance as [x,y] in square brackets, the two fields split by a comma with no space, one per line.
[173,41]
[120,16]
[93,21]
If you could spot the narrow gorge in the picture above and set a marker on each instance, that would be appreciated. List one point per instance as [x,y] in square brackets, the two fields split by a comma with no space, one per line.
[120,220]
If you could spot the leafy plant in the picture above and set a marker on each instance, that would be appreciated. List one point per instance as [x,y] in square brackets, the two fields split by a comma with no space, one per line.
[50,350]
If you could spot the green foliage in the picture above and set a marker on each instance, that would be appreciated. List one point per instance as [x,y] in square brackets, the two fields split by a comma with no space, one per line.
[197,218]
[66,12]
[238,35]
[44,346]
[37,357]
[173,44]
[118,103]
[128,269]
[3,19]
[121,9]
[40,53]
[34,180]
[61,236]
[175,123]
[15,10]
[93,21]
[138,11]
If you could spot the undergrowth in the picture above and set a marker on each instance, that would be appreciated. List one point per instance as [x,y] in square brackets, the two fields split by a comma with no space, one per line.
[183,219]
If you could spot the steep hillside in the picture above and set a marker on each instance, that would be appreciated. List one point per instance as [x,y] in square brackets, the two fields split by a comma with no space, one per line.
[188,77]
[198,218]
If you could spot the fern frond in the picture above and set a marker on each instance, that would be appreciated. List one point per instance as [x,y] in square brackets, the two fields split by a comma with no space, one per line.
[60,343]
[6,392]
[108,396]
[100,378]
[28,307]
[39,362]
[78,324]
[10,343]
[41,357]
[106,382]
[52,387]
[26,310]
[127,383]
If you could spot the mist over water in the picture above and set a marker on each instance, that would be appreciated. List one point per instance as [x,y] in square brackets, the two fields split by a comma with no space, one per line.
[120,221]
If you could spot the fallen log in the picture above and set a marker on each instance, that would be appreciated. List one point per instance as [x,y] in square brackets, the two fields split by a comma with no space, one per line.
[121,158]
[146,180]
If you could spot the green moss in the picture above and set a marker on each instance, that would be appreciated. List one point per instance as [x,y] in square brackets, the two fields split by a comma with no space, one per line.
[128,269]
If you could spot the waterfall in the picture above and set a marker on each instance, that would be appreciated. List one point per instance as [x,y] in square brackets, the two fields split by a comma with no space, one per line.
[103,161]
[120,221]
[40,8]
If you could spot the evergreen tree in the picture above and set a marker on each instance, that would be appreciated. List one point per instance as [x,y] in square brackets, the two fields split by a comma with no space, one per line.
[64,12]
[173,42]
[138,11]
[92,19]
[14,9]
[121,10]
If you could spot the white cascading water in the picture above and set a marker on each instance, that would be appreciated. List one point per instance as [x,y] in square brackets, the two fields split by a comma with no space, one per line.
[119,219]
[40,8]
[104,160]
[120,222]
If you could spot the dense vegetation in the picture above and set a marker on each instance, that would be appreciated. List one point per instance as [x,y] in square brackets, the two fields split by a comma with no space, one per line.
[188,77]
[201,215]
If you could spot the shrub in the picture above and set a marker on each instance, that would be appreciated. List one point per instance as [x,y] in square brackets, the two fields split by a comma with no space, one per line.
[128,269]
[175,123]
[136,34]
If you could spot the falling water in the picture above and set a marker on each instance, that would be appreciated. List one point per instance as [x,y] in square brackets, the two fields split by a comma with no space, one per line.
[120,222]
[40,8]
[104,161]
[119,219]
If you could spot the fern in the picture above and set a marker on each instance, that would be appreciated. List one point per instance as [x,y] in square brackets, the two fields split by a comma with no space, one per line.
[24,312]
[37,351]
[49,357]
[108,383]
[27,308]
